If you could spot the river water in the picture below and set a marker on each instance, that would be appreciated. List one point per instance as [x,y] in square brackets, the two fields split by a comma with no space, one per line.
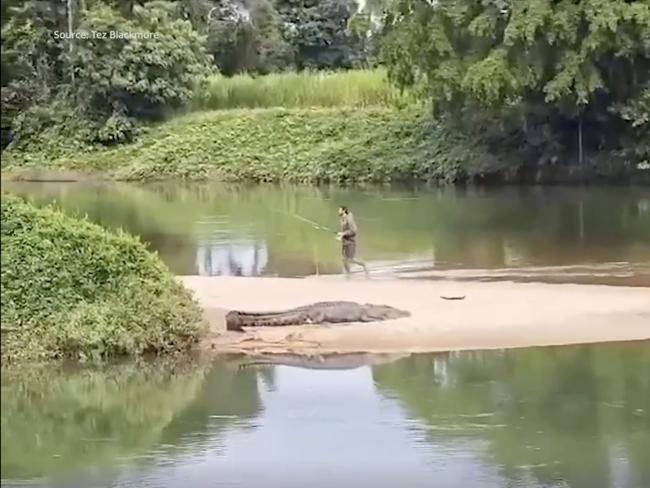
[579,235]
[576,417]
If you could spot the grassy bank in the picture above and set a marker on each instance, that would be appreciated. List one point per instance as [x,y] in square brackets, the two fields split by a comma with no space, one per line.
[73,289]
[354,88]
[339,145]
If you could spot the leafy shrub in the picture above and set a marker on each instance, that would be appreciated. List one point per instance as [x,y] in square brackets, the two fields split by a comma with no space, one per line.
[71,288]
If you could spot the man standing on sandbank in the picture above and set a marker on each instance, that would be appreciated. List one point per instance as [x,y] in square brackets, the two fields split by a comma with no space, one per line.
[347,236]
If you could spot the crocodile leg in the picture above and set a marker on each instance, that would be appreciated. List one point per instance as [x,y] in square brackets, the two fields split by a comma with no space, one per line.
[316,317]
[366,318]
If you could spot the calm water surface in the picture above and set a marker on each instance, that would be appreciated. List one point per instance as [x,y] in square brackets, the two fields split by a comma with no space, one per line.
[595,235]
[576,417]
[549,417]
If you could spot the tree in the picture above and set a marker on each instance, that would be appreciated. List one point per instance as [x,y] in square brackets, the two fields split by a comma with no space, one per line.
[153,68]
[245,37]
[31,65]
[559,71]
[107,81]
[319,34]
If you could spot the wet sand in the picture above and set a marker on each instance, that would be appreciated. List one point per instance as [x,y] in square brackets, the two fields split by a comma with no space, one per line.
[492,315]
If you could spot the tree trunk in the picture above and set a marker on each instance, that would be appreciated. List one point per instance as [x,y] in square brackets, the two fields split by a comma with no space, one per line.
[580,149]
[70,45]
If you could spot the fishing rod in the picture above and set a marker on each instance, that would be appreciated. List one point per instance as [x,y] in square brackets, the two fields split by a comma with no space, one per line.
[316,225]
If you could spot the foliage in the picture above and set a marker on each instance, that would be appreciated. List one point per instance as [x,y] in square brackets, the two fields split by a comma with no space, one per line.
[318,32]
[72,289]
[553,74]
[263,36]
[540,84]
[136,77]
[110,84]
[246,37]
[341,145]
[31,58]
[354,88]
[41,125]
[152,68]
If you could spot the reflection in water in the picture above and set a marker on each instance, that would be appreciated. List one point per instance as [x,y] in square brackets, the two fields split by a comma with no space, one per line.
[572,416]
[231,258]
[67,424]
[525,234]
[537,418]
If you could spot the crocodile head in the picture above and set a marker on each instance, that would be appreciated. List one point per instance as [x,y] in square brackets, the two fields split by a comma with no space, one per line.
[384,312]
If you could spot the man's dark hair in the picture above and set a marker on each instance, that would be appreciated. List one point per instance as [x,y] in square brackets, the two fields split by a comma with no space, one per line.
[344,208]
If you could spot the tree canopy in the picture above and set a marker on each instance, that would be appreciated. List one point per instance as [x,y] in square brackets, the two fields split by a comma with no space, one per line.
[548,82]
[556,75]
[112,82]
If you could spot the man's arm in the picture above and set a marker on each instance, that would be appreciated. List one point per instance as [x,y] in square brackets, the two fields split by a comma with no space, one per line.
[352,227]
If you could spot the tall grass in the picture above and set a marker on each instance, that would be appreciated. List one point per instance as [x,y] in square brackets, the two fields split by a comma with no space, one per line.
[357,88]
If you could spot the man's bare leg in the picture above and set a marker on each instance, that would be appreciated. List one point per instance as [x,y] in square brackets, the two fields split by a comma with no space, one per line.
[363,265]
[346,267]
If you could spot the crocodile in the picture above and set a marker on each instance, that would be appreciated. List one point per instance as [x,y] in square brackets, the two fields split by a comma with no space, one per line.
[316,313]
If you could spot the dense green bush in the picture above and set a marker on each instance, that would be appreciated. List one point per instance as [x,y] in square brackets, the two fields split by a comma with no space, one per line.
[73,289]
[340,145]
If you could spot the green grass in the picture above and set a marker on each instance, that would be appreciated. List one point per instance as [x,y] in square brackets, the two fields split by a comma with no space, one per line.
[337,145]
[72,289]
[355,88]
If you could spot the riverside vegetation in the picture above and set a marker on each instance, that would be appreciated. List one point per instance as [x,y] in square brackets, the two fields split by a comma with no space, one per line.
[539,90]
[73,289]
[316,145]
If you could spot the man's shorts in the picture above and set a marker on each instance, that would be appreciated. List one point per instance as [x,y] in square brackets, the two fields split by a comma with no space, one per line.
[348,248]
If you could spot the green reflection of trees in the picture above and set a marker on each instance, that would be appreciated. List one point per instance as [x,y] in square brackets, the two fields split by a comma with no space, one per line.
[228,396]
[550,413]
[61,420]
[469,227]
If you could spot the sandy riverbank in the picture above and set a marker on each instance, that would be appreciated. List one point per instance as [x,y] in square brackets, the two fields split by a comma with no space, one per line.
[493,315]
